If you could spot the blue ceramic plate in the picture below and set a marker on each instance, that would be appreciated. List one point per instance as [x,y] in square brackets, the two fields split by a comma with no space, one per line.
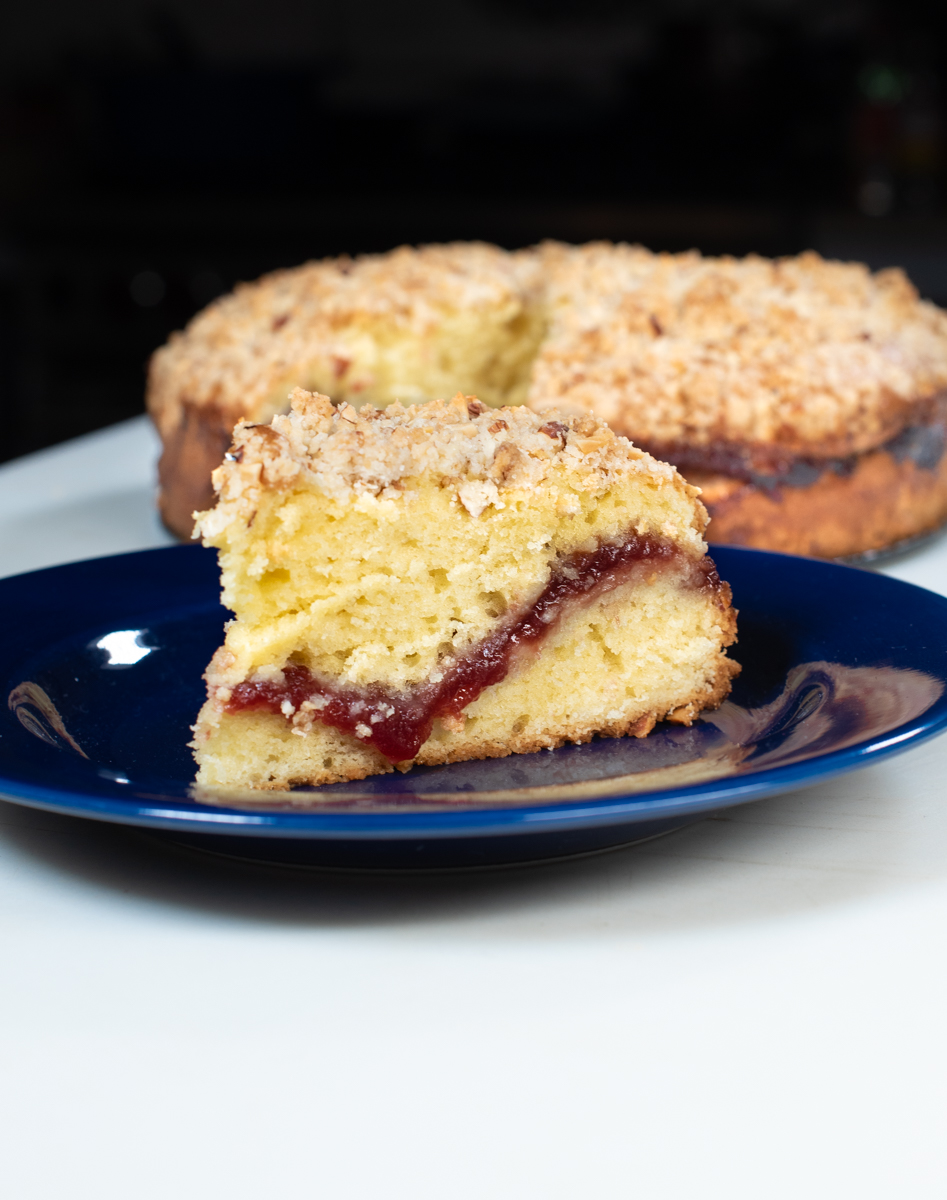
[102,664]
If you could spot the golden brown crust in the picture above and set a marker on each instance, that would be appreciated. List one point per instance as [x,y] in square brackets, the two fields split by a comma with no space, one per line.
[249,345]
[880,502]
[193,448]
[811,356]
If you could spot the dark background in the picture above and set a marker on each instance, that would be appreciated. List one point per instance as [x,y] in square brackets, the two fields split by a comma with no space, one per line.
[153,154]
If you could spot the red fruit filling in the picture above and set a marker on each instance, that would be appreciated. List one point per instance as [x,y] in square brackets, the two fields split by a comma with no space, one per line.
[397,723]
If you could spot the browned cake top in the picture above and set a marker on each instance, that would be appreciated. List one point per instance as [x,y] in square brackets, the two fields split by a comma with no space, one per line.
[233,352]
[807,354]
[681,348]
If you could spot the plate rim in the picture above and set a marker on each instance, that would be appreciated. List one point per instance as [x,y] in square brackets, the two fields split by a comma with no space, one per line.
[628,809]
[142,810]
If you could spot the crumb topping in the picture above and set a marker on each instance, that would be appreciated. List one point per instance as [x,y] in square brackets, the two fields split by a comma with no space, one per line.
[678,348]
[240,346]
[479,452]
[816,357]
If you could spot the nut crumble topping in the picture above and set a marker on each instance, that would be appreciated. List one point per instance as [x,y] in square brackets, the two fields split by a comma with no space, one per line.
[819,357]
[347,453]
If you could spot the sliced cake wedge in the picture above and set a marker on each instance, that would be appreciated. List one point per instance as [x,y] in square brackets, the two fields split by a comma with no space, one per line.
[443,582]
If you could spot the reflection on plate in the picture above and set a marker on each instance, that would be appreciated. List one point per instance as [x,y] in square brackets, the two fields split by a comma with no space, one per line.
[103,678]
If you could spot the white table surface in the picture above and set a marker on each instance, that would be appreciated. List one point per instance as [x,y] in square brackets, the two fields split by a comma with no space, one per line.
[754,1007]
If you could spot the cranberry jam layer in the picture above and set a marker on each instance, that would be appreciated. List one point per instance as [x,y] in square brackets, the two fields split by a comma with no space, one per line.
[397,724]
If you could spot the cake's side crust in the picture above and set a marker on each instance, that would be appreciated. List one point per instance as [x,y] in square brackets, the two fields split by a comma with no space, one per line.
[192,450]
[881,501]
[920,434]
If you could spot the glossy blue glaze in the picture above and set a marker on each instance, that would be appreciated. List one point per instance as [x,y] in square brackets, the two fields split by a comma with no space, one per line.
[102,664]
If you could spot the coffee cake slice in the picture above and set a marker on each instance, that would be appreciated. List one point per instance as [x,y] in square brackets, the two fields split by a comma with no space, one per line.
[444,582]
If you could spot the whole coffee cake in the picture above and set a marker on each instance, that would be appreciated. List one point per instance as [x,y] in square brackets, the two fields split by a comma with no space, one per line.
[806,398]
